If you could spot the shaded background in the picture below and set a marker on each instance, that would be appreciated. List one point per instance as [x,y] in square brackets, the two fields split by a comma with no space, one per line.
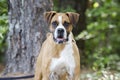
[97,32]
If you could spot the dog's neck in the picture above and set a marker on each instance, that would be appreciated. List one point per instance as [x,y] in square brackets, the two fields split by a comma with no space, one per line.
[57,48]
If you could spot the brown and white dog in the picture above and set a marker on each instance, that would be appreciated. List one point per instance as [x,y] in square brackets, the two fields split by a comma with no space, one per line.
[59,56]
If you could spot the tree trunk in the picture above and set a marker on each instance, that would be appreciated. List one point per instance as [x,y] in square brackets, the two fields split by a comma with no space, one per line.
[27,31]
[81,6]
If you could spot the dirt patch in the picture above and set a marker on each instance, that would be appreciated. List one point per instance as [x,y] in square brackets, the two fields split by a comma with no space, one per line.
[1,67]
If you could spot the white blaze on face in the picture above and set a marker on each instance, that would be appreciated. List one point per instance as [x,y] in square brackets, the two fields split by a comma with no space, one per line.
[60,25]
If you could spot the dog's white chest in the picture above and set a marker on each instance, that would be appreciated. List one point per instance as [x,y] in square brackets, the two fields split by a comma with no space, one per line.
[65,62]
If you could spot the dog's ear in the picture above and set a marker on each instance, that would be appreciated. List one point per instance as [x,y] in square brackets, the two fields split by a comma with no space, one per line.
[74,17]
[49,15]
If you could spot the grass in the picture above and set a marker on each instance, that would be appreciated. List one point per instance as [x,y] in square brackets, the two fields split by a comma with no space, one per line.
[100,75]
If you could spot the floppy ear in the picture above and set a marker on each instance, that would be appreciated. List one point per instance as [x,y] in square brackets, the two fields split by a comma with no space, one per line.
[49,15]
[74,17]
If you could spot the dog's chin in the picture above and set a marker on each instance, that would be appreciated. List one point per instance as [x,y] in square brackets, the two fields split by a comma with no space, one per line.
[60,40]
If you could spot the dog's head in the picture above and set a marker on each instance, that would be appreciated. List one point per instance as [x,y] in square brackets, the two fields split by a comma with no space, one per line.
[61,24]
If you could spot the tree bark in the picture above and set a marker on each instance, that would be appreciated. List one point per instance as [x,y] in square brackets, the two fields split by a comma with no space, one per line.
[81,9]
[27,31]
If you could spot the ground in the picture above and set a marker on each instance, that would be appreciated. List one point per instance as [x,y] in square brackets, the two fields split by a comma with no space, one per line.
[91,75]
[1,68]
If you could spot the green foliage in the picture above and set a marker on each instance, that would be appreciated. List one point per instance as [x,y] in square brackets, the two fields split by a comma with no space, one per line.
[102,34]
[3,26]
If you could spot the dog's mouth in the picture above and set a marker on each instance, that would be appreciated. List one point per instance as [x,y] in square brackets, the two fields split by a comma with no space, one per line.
[60,40]
[60,37]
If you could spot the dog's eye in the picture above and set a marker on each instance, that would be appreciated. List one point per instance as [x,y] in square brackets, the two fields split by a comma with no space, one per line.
[66,24]
[54,24]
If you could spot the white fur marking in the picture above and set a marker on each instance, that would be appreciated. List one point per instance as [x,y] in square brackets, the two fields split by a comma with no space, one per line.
[60,25]
[60,19]
[66,60]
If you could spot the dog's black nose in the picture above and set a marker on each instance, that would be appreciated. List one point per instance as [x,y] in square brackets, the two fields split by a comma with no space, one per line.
[60,30]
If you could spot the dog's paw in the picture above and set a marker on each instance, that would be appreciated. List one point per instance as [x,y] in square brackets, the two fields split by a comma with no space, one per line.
[70,75]
[53,76]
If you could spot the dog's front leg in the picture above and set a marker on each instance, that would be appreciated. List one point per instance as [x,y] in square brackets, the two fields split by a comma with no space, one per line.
[54,76]
[70,73]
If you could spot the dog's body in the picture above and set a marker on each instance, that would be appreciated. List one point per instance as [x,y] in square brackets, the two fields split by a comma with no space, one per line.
[59,57]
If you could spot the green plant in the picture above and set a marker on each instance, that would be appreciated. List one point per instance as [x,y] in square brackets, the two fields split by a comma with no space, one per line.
[3,27]
[102,34]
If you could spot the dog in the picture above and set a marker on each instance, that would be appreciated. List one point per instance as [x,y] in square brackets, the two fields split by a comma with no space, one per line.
[59,57]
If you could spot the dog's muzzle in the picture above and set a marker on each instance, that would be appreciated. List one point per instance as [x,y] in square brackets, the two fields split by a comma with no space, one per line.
[60,36]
